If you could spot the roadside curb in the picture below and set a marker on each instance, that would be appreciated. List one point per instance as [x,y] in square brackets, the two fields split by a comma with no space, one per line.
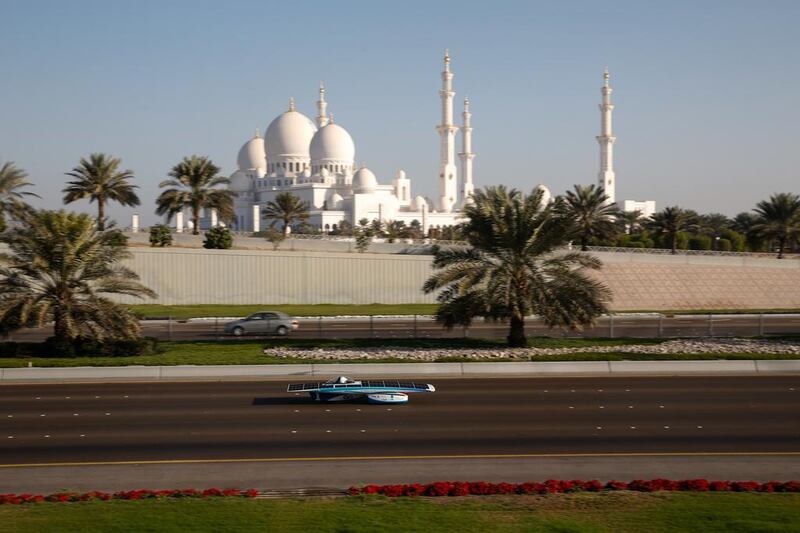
[514,369]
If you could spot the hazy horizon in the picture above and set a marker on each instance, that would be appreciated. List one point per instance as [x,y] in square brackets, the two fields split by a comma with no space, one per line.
[705,92]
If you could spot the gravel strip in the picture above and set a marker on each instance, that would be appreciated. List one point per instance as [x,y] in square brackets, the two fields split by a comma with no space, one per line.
[693,346]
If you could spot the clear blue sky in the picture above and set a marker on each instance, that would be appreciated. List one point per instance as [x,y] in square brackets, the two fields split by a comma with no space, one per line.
[706,92]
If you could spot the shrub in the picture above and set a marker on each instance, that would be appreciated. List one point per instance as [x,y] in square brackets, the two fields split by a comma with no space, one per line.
[117,238]
[274,236]
[160,235]
[218,238]
[699,242]
[724,245]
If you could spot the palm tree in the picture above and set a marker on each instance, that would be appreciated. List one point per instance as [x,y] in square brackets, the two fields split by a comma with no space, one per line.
[512,270]
[287,208]
[669,223]
[12,197]
[100,180]
[779,219]
[745,223]
[593,215]
[631,221]
[713,224]
[193,186]
[395,229]
[60,269]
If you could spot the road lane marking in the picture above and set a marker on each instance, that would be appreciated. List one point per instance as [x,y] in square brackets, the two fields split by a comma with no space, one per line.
[409,457]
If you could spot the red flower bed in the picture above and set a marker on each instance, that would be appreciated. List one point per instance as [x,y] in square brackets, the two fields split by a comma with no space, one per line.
[17,499]
[554,486]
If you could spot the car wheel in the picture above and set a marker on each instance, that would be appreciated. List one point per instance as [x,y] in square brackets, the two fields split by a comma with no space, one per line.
[282,331]
[238,331]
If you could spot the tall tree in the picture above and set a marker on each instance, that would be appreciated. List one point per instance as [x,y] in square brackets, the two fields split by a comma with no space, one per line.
[779,220]
[669,222]
[631,221]
[593,215]
[12,195]
[194,186]
[286,208]
[60,269]
[713,224]
[744,223]
[100,180]
[395,229]
[512,268]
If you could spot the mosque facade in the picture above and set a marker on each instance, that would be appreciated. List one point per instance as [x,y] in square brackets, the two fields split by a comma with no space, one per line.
[315,160]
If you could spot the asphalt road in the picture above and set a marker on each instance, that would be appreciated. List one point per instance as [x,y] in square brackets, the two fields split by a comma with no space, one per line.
[644,326]
[476,421]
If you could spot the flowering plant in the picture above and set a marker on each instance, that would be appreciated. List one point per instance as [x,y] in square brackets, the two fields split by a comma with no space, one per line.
[555,486]
[141,494]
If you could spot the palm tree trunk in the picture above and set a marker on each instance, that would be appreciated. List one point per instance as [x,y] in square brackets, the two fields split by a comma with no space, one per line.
[674,243]
[516,333]
[781,246]
[101,213]
[60,330]
[286,222]
[195,221]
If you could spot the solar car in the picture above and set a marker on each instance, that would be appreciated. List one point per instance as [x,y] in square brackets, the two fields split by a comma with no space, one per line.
[342,389]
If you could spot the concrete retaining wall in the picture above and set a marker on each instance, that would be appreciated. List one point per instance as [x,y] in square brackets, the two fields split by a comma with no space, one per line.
[256,372]
[638,281]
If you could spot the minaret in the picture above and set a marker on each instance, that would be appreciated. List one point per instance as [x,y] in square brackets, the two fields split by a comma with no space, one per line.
[606,179]
[448,177]
[322,106]
[466,154]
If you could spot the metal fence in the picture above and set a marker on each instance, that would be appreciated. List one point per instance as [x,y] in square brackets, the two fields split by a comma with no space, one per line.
[425,327]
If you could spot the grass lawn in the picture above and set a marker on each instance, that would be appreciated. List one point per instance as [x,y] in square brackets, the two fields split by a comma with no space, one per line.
[195,311]
[612,512]
[248,352]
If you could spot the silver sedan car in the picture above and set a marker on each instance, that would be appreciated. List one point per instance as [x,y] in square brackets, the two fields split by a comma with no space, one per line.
[264,323]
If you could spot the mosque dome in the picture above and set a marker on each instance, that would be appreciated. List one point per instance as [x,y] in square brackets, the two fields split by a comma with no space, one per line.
[289,135]
[364,180]
[239,181]
[418,202]
[332,143]
[252,154]
[335,202]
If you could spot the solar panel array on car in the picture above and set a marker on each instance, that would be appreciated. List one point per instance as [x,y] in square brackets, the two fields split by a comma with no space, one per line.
[371,384]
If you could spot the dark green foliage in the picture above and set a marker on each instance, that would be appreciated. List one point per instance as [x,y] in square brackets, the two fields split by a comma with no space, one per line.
[61,270]
[738,242]
[779,220]
[99,179]
[699,242]
[160,235]
[513,270]
[218,238]
[287,209]
[591,213]
[195,186]
[363,234]
[82,347]
[671,225]
[117,238]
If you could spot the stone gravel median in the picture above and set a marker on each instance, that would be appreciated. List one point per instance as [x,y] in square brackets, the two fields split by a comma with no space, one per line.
[681,346]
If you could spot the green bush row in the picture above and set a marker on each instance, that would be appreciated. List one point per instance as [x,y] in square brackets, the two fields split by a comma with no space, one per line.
[81,347]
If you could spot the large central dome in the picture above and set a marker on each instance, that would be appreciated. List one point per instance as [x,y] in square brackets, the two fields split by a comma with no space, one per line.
[289,135]
[331,144]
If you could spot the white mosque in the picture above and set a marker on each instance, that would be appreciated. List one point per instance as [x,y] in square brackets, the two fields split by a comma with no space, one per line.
[315,161]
